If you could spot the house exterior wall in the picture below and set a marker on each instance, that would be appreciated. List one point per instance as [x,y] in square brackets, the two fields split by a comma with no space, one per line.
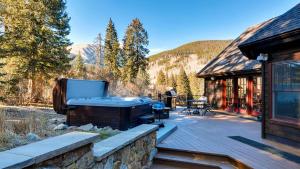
[215,91]
[278,128]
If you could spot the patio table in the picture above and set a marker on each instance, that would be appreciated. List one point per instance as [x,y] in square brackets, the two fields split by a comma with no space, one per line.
[197,107]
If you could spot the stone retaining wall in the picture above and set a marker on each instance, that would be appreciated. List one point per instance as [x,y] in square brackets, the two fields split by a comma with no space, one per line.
[131,149]
[137,155]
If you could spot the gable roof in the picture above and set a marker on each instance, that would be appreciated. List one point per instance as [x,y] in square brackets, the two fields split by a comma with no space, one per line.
[231,60]
[287,22]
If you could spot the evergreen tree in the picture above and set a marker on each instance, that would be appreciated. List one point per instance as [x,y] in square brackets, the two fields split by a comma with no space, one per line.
[35,34]
[111,50]
[1,50]
[142,81]
[172,82]
[196,84]
[183,84]
[78,67]
[135,51]
[98,48]
[161,78]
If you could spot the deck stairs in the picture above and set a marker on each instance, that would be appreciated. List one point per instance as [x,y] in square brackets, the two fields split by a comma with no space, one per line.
[168,158]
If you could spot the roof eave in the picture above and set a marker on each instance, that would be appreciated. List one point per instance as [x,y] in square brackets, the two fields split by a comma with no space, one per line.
[235,73]
[253,49]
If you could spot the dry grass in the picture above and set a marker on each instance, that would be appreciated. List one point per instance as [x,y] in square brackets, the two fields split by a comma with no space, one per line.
[13,130]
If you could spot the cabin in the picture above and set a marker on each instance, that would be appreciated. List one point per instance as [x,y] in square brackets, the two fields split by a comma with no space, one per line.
[233,82]
[277,46]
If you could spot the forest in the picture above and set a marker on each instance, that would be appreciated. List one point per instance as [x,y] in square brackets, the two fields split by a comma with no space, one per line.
[35,51]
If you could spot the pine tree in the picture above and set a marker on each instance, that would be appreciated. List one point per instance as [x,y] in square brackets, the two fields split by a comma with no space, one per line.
[2,73]
[35,34]
[135,51]
[142,81]
[161,78]
[172,82]
[196,84]
[98,48]
[111,50]
[78,67]
[183,84]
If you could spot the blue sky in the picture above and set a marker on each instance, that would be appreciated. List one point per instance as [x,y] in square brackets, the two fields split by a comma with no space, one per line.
[171,23]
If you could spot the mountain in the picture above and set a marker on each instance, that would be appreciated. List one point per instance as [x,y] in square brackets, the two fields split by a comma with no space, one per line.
[191,56]
[88,52]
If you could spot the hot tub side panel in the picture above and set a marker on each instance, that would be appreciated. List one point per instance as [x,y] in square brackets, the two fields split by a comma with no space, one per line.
[120,118]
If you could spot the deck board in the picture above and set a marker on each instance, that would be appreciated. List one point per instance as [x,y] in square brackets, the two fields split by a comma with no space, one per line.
[210,134]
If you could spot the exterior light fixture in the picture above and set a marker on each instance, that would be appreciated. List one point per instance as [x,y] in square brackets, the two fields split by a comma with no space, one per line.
[262,57]
[212,78]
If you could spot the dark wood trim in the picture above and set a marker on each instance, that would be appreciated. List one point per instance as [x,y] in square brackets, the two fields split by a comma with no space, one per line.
[263,117]
[282,122]
[270,79]
[232,74]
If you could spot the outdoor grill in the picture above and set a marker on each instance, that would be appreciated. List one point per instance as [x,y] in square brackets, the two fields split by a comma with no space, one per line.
[170,99]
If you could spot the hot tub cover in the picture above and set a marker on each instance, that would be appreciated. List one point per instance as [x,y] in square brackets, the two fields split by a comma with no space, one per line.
[109,101]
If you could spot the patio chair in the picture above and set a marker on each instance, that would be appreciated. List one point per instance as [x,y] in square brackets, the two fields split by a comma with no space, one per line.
[207,109]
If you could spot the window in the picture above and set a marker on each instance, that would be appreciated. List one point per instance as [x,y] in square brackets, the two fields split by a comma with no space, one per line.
[257,84]
[242,87]
[228,92]
[286,90]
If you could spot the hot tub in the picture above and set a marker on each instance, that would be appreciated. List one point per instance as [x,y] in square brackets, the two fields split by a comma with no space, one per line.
[86,101]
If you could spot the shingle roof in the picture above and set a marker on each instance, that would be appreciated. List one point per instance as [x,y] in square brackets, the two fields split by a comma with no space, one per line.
[284,23]
[231,60]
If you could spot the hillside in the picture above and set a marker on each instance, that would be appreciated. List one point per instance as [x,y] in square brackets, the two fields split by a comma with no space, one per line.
[191,56]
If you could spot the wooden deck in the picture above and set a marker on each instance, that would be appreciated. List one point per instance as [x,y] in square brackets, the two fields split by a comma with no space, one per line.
[210,134]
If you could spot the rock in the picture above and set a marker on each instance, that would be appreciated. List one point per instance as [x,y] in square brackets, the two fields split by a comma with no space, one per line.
[117,165]
[32,137]
[72,128]
[95,128]
[109,163]
[60,127]
[87,127]
[57,120]
[123,166]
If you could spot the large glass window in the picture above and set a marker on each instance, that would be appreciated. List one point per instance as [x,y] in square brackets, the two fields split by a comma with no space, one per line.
[286,89]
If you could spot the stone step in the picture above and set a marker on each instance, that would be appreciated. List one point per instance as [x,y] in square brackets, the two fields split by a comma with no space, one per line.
[166,155]
[166,162]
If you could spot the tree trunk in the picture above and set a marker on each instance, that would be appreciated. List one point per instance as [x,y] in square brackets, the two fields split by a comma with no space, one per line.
[35,89]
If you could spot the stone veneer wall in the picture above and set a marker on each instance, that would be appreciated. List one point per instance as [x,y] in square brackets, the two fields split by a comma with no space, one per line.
[132,149]
[137,155]
[79,158]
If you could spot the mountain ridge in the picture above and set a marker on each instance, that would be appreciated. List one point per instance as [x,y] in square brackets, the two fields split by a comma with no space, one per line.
[191,56]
